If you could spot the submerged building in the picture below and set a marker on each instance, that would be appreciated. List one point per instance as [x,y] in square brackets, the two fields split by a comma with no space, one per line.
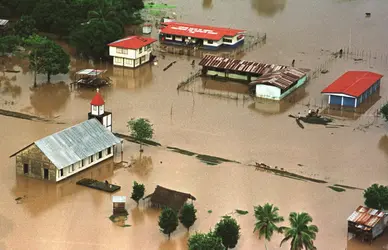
[268,81]
[71,150]
[131,52]
[203,36]
[353,88]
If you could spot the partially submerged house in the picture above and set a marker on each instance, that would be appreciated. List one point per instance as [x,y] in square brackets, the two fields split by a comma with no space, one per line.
[353,88]
[71,150]
[164,197]
[132,51]
[203,36]
[268,81]
[367,223]
[119,205]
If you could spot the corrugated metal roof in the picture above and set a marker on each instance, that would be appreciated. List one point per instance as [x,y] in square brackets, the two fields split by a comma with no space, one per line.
[76,143]
[3,22]
[282,79]
[119,199]
[366,216]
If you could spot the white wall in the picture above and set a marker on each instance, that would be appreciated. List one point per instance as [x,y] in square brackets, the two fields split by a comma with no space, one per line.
[267,91]
[67,171]
[214,44]
[127,53]
[132,58]
[234,40]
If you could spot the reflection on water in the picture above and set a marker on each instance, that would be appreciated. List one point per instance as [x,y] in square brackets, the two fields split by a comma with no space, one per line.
[268,8]
[132,78]
[42,195]
[49,98]
[383,144]
[224,85]
[141,166]
[6,86]
[271,107]
[207,4]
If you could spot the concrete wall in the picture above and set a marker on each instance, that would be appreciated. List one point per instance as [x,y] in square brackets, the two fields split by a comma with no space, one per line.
[37,162]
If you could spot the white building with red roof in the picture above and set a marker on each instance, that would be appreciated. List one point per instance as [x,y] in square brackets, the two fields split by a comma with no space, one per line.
[131,51]
[207,37]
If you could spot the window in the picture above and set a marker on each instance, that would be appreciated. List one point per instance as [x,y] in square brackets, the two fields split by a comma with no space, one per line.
[168,36]
[118,60]
[119,50]
[141,50]
[109,150]
[209,41]
[100,155]
[82,163]
[125,51]
[72,167]
[227,40]
[61,172]
[128,61]
[91,159]
[25,168]
[94,108]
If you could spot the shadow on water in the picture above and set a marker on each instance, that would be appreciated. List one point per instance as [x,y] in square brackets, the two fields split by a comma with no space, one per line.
[175,243]
[207,4]
[383,144]
[137,216]
[272,107]
[43,195]
[268,8]
[141,166]
[47,99]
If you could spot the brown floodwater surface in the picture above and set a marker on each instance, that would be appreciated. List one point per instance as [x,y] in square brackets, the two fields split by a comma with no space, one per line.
[67,216]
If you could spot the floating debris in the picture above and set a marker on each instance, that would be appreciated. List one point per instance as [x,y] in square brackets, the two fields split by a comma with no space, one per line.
[209,211]
[241,212]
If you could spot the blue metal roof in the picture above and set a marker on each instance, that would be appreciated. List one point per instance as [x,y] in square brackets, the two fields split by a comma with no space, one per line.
[76,143]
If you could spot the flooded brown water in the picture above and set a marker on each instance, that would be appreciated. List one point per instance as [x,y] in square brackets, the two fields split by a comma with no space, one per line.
[66,216]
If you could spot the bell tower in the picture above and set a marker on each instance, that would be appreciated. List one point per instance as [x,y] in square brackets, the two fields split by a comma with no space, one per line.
[97,110]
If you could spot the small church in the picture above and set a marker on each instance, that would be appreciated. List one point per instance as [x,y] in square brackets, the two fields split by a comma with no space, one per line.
[72,150]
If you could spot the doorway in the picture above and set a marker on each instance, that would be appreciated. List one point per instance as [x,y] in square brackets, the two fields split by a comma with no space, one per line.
[25,168]
[45,174]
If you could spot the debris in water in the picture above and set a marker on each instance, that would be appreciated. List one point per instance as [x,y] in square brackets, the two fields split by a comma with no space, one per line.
[357,59]
[324,71]
[367,14]
[209,211]
[337,189]
[168,66]
[300,165]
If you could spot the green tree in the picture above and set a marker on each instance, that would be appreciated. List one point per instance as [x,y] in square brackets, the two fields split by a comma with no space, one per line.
[8,44]
[302,234]
[384,111]
[141,129]
[90,39]
[168,221]
[376,196]
[267,217]
[137,192]
[104,11]
[229,231]
[25,27]
[187,215]
[207,241]
[34,44]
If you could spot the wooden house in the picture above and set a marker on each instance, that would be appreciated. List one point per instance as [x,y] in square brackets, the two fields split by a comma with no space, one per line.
[119,205]
[164,197]
[367,223]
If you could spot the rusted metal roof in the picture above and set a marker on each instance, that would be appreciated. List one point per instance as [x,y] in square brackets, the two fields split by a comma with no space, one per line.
[282,79]
[169,198]
[365,216]
[239,65]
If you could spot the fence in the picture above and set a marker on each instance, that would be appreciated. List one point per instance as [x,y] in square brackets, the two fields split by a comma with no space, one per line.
[250,43]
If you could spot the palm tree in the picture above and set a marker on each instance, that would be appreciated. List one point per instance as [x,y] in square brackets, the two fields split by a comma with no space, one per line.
[301,234]
[267,217]
[105,11]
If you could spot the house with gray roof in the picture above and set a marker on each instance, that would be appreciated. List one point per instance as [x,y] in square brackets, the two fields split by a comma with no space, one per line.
[66,152]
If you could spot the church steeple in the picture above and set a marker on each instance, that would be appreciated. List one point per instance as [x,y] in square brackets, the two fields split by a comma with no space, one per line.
[97,110]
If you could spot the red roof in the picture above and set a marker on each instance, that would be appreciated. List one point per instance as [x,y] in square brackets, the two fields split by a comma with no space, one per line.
[132,42]
[97,100]
[198,31]
[353,83]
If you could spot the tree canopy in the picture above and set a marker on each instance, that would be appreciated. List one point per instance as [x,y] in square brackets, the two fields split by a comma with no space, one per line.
[25,27]
[187,215]
[207,241]
[141,129]
[8,44]
[229,231]
[137,191]
[168,221]
[267,217]
[301,234]
[384,111]
[376,196]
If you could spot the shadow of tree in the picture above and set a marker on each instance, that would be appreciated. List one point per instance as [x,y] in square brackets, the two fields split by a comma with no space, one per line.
[268,8]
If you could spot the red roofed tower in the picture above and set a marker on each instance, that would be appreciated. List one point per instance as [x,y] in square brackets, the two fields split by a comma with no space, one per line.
[97,110]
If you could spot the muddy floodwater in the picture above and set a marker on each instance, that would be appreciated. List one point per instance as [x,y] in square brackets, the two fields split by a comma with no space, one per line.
[67,216]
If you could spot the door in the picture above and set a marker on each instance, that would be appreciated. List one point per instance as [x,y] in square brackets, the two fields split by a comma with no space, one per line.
[45,174]
[25,168]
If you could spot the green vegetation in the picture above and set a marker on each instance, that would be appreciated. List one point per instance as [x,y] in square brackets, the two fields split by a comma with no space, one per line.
[168,221]
[140,129]
[301,234]
[241,212]
[384,111]
[229,231]
[138,191]
[376,196]
[187,215]
[337,189]
[25,27]
[9,44]
[207,241]
[212,160]
[181,151]
[158,6]
[209,211]
[267,218]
